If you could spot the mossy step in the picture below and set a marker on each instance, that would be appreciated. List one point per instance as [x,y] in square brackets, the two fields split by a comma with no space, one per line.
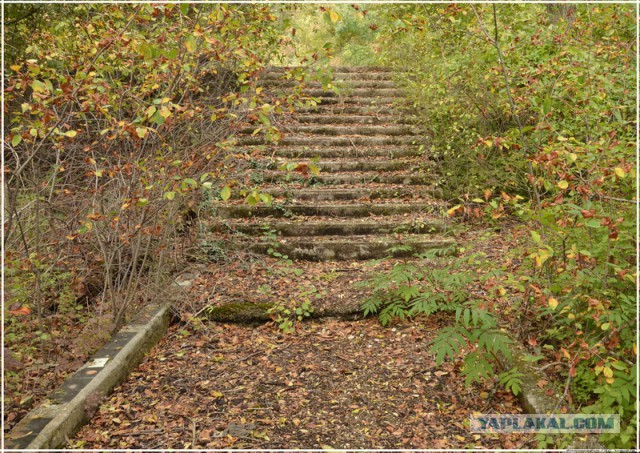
[342,109]
[350,210]
[340,166]
[357,100]
[332,228]
[250,312]
[333,69]
[340,83]
[347,178]
[345,130]
[364,76]
[328,152]
[354,92]
[328,194]
[352,119]
[355,130]
[333,141]
[368,76]
[351,248]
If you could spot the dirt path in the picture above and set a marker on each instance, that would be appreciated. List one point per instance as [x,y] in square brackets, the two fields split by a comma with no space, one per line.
[344,384]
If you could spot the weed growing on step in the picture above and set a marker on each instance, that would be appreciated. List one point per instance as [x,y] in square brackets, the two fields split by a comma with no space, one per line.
[285,264]
[409,290]
[286,315]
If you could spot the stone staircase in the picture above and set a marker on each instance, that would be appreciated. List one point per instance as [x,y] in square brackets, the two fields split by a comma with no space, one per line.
[374,195]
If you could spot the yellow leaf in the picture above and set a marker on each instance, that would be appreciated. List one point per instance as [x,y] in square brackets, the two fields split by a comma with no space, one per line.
[620,172]
[165,112]
[191,44]
[225,193]
[553,303]
[335,17]
[71,133]
[608,372]
[15,67]
[141,132]
[451,212]
[563,184]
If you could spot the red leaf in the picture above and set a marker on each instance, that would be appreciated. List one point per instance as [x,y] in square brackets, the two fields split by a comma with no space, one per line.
[22,311]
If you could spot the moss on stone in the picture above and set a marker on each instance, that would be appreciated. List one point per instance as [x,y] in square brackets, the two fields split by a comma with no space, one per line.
[241,312]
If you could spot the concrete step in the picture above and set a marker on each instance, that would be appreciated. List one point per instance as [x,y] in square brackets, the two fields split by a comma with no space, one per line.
[355,130]
[344,109]
[329,194]
[341,166]
[340,76]
[352,119]
[340,83]
[358,100]
[344,130]
[334,69]
[332,141]
[348,178]
[355,92]
[348,152]
[331,228]
[352,247]
[336,210]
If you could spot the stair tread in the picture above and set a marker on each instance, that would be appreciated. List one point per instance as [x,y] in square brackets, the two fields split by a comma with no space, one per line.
[376,187]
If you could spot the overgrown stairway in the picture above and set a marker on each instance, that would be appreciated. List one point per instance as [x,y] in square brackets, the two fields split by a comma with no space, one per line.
[350,179]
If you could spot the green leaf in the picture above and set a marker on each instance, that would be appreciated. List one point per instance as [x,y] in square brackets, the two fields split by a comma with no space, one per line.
[264,119]
[225,193]
[191,43]
[15,141]
[170,195]
[146,51]
[38,86]
[190,181]
[158,118]
[141,131]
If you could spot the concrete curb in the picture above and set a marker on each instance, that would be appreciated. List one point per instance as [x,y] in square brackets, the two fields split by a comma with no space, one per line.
[51,425]
[534,400]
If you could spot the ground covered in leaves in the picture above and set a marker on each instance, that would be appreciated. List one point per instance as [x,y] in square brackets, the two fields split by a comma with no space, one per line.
[31,375]
[341,384]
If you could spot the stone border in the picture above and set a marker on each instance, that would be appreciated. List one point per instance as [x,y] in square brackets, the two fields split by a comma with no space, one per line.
[534,400]
[50,425]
